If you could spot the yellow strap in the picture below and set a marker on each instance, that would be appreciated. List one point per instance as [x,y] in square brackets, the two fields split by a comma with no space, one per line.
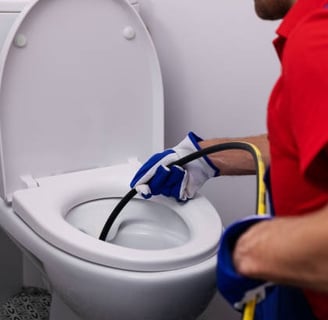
[249,310]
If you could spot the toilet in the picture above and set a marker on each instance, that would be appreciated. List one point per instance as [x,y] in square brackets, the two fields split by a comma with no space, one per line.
[81,107]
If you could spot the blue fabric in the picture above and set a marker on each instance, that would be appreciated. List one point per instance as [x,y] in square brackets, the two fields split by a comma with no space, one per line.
[167,181]
[162,180]
[148,165]
[284,303]
[232,285]
[195,141]
[280,303]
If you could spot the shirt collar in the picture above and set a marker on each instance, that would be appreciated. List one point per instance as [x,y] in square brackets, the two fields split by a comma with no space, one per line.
[299,10]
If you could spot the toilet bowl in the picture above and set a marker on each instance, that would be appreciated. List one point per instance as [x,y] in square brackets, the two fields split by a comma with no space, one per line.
[81,106]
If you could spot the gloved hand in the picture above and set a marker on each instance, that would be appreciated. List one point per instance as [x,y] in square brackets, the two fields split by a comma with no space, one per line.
[155,177]
[235,288]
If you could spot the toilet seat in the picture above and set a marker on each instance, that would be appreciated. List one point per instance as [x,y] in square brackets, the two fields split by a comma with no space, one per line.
[57,195]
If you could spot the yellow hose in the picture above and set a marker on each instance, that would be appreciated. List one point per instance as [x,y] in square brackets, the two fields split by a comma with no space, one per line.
[249,310]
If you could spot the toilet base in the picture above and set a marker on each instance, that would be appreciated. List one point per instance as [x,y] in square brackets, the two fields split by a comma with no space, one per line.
[59,310]
[96,292]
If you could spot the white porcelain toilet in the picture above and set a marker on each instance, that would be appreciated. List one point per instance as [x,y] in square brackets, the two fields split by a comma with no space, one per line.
[81,106]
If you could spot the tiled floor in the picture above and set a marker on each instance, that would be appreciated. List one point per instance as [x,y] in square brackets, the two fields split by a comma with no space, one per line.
[30,303]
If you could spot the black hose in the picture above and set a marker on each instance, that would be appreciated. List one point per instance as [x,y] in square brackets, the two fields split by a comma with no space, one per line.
[190,157]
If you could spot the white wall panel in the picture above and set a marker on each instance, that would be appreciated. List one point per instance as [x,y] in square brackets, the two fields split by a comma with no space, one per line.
[218,66]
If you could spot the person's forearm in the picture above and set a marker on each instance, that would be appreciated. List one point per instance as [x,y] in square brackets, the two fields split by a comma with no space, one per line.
[289,250]
[238,162]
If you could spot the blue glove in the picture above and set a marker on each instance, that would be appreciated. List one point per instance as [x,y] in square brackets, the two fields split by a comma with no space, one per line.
[155,177]
[237,289]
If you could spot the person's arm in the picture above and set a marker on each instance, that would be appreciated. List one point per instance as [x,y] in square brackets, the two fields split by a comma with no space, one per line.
[238,162]
[287,250]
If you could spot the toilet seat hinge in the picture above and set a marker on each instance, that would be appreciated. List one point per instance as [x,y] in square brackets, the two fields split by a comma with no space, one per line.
[29,181]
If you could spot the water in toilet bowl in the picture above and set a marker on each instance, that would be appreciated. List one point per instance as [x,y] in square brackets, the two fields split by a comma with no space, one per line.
[144,225]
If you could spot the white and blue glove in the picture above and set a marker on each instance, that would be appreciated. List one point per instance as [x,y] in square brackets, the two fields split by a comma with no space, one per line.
[235,288]
[156,177]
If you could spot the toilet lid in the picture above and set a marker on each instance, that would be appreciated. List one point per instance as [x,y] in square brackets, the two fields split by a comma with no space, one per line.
[80,88]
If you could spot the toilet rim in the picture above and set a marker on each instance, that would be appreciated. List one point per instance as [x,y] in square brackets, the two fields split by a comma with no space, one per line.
[59,194]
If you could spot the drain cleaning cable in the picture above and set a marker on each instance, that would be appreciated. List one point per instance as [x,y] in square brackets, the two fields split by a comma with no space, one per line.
[249,310]
[260,202]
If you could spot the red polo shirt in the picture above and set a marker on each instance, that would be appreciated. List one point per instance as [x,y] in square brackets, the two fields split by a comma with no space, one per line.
[298,119]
